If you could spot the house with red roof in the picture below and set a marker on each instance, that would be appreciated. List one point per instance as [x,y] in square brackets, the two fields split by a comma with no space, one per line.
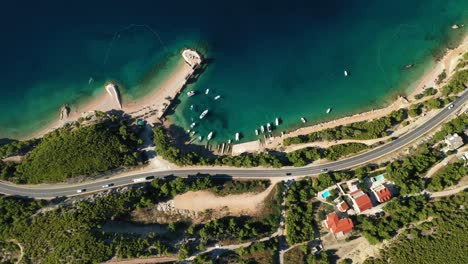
[337,225]
[342,206]
[382,193]
[360,201]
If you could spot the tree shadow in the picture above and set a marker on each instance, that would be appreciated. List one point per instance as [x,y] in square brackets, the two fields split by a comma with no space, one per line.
[180,139]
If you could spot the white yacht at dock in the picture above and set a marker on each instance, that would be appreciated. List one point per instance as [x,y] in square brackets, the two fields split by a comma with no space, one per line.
[277,121]
[210,135]
[204,114]
[193,125]
[262,129]
[191,93]
[268,127]
[237,136]
[256,132]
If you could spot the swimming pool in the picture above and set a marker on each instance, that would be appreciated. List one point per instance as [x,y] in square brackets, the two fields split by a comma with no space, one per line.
[325,194]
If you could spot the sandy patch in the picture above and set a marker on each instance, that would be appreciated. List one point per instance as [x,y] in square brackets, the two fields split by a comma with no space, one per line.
[150,107]
[248,203]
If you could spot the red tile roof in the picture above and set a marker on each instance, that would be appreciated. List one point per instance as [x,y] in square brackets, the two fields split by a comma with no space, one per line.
[362,200]
[383,195]
[337,225]
[343,207]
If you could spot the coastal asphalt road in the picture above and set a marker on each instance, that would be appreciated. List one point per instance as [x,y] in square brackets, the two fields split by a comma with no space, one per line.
[57,190]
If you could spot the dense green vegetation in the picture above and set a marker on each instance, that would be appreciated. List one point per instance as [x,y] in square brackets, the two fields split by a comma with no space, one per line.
[244,227]
[301,157]
[456,84]
[238,187]
[440,238]
[74,231]
[407,173]
[7,169]
[337,151]
[448,176]
[427,92]
[265,252]
[361,130]
[75,151]
[17,148]
[456,125]
[303,254]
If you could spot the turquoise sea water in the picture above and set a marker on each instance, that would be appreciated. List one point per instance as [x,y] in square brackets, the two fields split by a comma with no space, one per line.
[269,58]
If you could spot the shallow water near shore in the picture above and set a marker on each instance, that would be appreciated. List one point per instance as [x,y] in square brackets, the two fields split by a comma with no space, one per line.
[286,61]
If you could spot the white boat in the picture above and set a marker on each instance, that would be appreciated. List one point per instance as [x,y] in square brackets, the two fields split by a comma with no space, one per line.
[192,133]
[277,121]
[262,129]
[204,114]
[191,107]
[188,130]
[210,135]
[200,138]
[237,136]
[207,91]
[90,80]
[191,93]
[268,127]
[329,110]
[345,73]
[192,125]
[229,141]
[256,132]
[217,97]
[303,120]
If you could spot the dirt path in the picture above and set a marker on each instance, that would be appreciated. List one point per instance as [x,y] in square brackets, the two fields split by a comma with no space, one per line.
[148,260]
[21,249]
[248,203]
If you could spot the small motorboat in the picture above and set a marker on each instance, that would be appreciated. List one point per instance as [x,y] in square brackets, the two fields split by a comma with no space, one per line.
[207,91]
[329,110]
[191,93]
[237,136]
[346,73]
[409,66]
[217,97]
[210,135]
[193,125]
[277,121]
[256,132]
[303,120]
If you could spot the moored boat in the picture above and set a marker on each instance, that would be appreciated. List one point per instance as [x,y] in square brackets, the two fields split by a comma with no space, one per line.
[200,138]
[256,132]
[262,129]
[217,97]
[193,125]
[191,107]
[329,110]
[204,114]
[210,135]
[207,91]
[277,121]
[345,73]
[268,127]
[237,136]
[191,93]
[303,120]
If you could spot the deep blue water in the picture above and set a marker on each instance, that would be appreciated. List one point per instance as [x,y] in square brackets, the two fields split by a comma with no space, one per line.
[270,58]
